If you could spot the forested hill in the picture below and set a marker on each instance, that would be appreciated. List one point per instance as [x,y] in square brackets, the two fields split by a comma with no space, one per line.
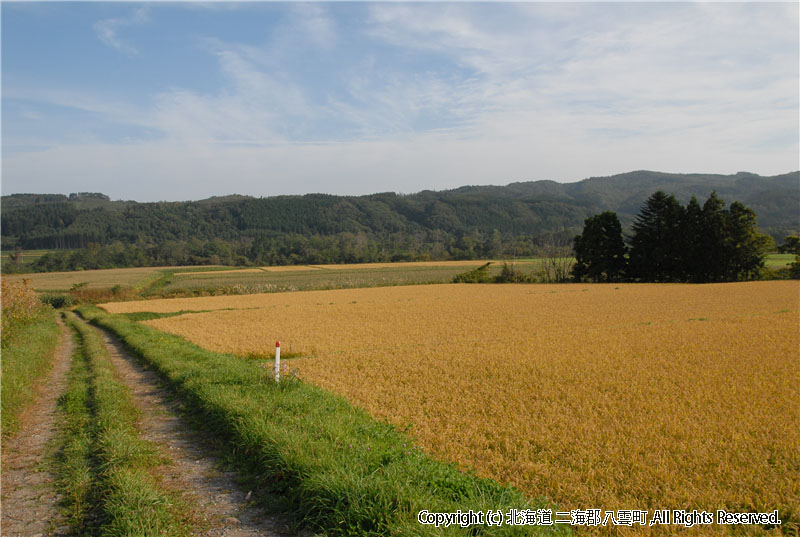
[527,209]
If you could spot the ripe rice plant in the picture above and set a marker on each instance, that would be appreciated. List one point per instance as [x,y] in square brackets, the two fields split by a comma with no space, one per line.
[311,454]
[604,396]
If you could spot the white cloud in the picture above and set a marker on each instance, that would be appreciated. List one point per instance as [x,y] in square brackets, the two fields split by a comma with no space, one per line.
[194,169]
[315,22]
[257,106]
[653,70]
[518,92]
[107,30]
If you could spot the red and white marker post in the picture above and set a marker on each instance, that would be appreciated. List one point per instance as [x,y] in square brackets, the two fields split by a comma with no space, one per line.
[277,361]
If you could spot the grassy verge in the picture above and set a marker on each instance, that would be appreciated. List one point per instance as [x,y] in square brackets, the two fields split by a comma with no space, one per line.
[107,471]
[28,348]
[328,465]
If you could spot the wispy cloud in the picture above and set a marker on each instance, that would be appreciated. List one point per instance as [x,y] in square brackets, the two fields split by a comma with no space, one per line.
[107,30]
[637,68]
[315,21]
[435,95]
[255,106]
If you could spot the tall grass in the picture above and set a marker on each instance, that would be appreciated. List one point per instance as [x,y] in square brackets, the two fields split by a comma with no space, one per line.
[107,471]
[28,342]
[328,465]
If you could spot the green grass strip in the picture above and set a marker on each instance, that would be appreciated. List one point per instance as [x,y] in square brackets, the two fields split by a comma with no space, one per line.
[154,285]
[74,466]
[27,349]
[148,315]
[128,499]
[329,465]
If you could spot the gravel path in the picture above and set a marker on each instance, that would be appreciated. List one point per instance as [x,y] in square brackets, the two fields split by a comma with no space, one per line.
[219,498]
[29,498]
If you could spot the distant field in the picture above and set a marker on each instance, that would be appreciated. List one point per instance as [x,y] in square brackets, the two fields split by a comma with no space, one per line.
[94,279]
[218,270]
[630,396]
[407,264]
[319,277]
[306,278]
[219,279]
[353,266]
[28,256]
[232,280]
[778,260]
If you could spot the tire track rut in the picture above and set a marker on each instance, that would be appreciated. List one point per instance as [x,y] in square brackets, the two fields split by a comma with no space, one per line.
[221,502]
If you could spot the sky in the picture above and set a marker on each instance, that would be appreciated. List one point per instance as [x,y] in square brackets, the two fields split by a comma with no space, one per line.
[187,100]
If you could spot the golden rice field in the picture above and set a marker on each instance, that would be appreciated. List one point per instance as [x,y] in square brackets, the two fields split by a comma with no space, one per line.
[628,396]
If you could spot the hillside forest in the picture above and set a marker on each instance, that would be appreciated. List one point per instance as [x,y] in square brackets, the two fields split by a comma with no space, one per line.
[88,230]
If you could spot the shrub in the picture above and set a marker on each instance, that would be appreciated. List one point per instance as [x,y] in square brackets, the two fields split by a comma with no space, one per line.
[509,274]
[476,275]
[95,295]
[19,303]
[794,269]
[58,300]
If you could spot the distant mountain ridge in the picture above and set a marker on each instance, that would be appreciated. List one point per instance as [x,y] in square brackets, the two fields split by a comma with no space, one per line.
[517,209]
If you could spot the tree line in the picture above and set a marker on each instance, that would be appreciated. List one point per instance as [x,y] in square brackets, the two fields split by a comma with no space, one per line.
[50,221]
[292,249]
[68,225]
[519,220]
[670,242]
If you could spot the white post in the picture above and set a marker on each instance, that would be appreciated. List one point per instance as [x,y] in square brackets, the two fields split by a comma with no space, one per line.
[277,361]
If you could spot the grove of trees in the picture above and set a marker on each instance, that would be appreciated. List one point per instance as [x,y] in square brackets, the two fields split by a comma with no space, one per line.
[673,243]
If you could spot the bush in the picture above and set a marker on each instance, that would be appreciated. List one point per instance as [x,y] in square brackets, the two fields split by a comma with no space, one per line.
[476,275]
[19,303]
[58,300]
[794,269]
[509,274]
[94,295]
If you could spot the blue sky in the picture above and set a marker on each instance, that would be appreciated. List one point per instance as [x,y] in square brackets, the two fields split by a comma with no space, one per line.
[174,101]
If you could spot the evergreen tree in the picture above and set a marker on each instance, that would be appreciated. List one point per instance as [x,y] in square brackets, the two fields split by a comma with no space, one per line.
[744,245]
[600,250]
[713,261]
[656,252]
[692,231]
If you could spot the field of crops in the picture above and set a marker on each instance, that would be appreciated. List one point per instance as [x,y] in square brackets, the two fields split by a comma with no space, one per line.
[200,280]
[597,396]
[318,277]
[27,258]
[778,260]
[360,266]
[93,279]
